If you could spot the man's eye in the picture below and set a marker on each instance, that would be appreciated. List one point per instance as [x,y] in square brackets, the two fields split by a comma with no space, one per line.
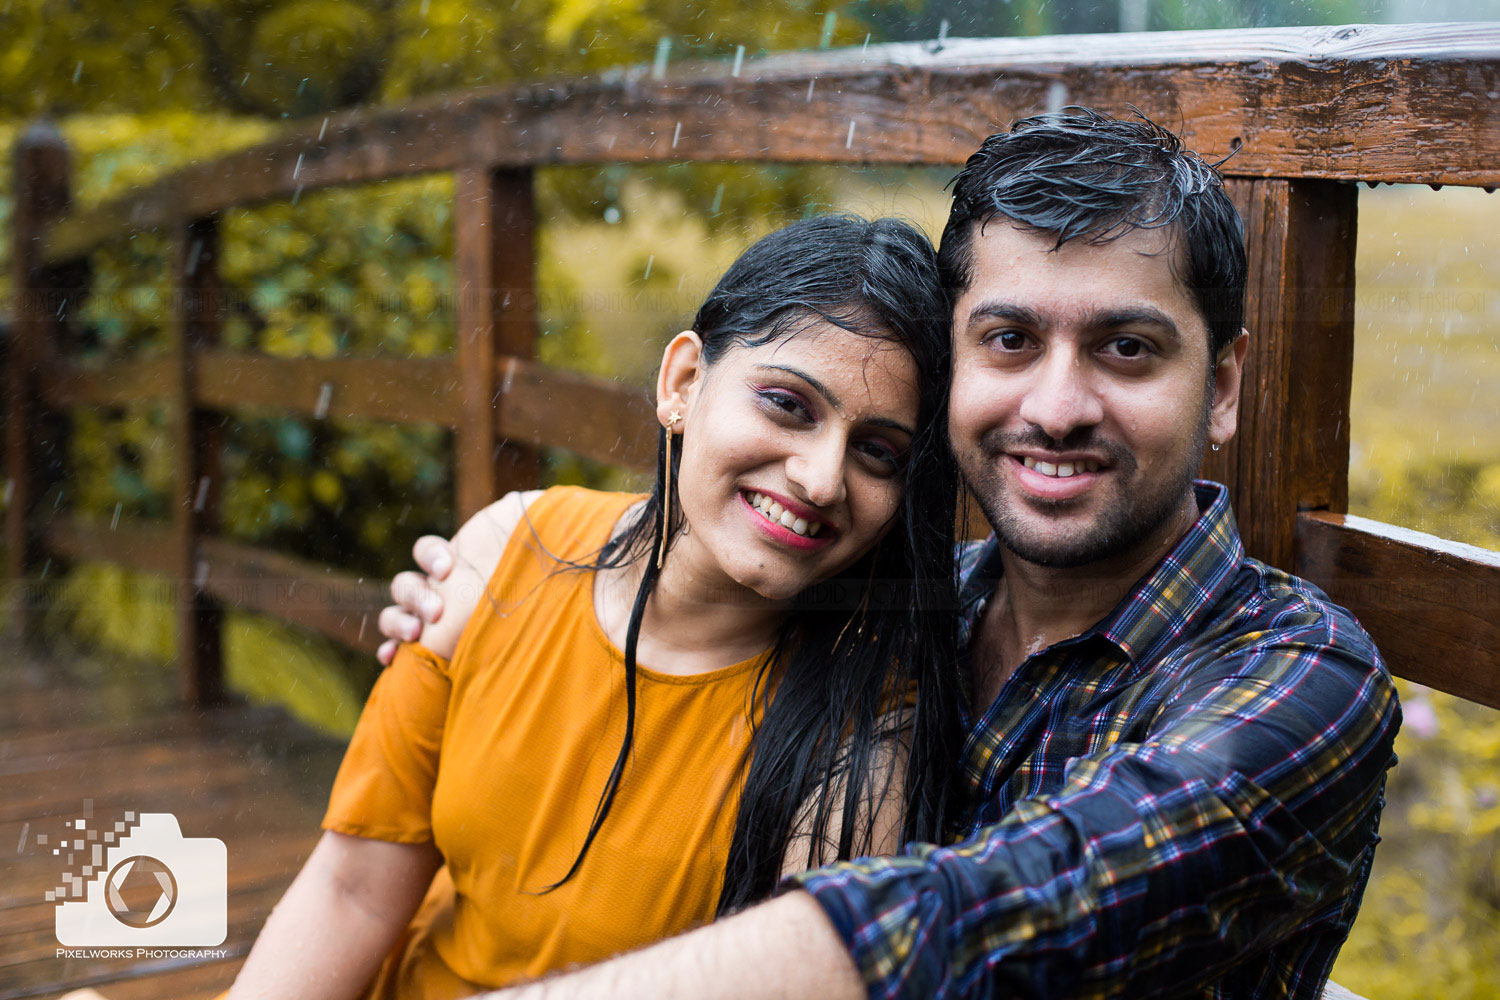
[1009,340]
[1128,347]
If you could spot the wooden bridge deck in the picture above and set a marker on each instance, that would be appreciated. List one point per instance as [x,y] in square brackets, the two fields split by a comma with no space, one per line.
[84,737]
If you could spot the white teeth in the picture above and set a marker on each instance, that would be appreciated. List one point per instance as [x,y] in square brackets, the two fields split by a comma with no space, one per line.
[778,514]
[1061,470]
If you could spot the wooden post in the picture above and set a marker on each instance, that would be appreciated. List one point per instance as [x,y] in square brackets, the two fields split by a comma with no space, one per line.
[1292,450]
[493,262]
[197,310]
[39,307]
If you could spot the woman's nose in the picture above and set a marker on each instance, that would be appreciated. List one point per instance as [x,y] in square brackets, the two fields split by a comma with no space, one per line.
[817,471]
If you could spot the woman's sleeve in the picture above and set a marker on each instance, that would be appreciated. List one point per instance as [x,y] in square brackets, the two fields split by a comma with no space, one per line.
[384,786]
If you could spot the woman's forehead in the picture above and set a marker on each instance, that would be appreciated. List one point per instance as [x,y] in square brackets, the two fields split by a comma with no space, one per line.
[865,372]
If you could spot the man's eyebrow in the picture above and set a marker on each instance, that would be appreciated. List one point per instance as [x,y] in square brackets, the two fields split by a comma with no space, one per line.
[1011,311]
[1109,319]
[833,400]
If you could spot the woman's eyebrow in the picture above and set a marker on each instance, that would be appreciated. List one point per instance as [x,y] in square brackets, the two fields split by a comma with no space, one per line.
[833,400]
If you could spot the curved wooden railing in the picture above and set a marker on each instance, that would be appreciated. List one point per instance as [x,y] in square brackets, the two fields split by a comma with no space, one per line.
[1308,112]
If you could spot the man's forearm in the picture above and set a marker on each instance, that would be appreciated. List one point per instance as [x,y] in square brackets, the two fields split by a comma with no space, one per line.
[785,948]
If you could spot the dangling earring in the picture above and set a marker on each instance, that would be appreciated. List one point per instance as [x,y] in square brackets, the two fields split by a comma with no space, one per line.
[864,605]
[1214,446]
[673,419]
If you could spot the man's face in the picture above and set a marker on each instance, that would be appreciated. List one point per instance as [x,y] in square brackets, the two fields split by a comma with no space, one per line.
[1082,395]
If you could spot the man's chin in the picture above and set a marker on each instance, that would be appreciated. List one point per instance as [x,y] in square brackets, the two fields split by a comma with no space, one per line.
[1054,553]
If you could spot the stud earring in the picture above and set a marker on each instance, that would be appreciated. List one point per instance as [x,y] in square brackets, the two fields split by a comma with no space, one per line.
[673,419]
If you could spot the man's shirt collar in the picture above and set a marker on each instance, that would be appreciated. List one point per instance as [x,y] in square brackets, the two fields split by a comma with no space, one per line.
[1160,607]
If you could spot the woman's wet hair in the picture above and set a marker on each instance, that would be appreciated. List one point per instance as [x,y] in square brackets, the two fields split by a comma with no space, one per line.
[865,666]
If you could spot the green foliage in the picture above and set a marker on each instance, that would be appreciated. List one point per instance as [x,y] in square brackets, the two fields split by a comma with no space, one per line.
[132,615]
[1425,457]
[295,58]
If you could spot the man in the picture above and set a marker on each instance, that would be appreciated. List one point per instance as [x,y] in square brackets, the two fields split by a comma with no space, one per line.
[1178,769]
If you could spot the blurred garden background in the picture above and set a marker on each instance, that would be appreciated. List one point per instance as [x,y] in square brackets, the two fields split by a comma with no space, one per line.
[624,254]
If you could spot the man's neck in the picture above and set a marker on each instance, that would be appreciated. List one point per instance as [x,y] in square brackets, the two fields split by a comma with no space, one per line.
[1036,606]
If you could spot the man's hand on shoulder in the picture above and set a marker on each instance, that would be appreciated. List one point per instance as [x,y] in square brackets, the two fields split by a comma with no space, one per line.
[434,605]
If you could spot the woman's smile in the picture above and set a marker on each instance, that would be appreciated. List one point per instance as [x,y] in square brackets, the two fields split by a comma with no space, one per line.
[787,523]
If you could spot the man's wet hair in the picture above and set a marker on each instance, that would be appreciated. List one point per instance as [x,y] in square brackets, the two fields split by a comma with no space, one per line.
[1080,174]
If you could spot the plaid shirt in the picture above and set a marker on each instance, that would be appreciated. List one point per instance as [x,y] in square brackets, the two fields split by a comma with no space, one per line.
[1180,801]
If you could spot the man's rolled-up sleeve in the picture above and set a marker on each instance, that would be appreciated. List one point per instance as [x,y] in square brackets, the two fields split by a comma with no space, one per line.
[1246,810]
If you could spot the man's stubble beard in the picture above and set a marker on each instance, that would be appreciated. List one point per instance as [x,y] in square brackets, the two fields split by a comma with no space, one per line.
[1125,524]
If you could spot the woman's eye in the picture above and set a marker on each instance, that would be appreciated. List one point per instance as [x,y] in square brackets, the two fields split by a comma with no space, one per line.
[881,453]
[785,402]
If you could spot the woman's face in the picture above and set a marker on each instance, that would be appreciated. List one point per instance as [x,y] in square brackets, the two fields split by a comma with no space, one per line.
[792,454]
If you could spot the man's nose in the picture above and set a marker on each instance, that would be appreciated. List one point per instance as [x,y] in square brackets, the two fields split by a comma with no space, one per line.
[1062,397]
[817,470]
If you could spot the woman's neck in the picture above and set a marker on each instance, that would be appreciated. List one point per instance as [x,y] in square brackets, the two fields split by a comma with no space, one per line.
[697,619]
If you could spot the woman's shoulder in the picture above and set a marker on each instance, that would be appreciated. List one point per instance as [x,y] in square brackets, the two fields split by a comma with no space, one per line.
[576,518]
[563,519]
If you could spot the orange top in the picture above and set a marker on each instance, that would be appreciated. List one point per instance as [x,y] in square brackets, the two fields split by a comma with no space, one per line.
[500,756]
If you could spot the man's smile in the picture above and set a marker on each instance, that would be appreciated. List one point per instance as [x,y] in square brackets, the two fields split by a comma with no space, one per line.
[1063,479]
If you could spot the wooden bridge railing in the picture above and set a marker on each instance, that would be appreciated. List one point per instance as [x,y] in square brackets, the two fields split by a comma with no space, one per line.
[1310,112]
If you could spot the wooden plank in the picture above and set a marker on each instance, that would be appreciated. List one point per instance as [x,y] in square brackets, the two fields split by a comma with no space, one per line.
[1292,449]
[196,445]
[224,773]
[42,192]
[1432,606]
[494,241]
[122,383]
[339,605]
[1397,103]
[398,389]
[140,545]
[597,418]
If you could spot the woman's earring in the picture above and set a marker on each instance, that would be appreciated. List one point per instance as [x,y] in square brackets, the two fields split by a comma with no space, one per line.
[1214,446]
[673,419]
[859,612]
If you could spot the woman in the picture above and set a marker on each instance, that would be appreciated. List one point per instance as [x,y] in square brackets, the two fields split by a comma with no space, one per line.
[522,794]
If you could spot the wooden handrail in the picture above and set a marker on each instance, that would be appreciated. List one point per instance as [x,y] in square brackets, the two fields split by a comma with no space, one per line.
[538,404]
[1368,102]
[1432,606]
[1308,109]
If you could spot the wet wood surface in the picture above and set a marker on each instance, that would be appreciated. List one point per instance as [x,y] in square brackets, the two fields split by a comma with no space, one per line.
[1291,451]
[494,264]
[1431,605]
[85,735]
[1395,103]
